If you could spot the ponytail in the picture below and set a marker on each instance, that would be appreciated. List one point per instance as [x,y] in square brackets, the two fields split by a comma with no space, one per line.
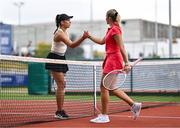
[57,23]
[115,16]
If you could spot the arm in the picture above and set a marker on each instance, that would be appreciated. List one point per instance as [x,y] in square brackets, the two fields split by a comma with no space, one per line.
[119,42]
[60,36]
[97,40]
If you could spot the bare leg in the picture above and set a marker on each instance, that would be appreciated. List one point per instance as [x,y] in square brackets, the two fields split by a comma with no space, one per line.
[59,78]
[121,94]
[104,118]
[104,98]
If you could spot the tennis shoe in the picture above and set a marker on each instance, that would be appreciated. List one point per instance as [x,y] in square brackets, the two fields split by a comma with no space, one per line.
[61,115]
[101,119]
[136,109]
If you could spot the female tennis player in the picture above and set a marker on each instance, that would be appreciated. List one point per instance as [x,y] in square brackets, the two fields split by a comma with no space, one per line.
[59,45]
[115,56]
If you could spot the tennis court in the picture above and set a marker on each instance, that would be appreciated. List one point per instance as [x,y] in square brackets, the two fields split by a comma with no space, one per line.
[166,116]
[155,83]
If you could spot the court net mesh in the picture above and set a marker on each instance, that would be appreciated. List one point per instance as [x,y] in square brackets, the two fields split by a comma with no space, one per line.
[27,90]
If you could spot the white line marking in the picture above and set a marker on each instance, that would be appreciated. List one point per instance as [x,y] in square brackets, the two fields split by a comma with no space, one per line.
[123,116]
[154,117]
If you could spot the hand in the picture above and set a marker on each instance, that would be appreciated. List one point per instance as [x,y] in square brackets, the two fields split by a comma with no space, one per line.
[85,34]
[127,68]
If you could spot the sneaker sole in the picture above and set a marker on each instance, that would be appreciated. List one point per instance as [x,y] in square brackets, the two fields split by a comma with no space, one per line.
[99,122]
[92,121]
[63,118]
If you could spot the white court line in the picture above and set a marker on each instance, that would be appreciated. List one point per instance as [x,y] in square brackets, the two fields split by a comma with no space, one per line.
[123,116]
[154,117]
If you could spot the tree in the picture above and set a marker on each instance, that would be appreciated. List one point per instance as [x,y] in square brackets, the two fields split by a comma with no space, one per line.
[42,49]
[98,55]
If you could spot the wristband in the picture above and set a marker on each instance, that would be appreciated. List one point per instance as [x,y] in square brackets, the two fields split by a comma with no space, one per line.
[126,64]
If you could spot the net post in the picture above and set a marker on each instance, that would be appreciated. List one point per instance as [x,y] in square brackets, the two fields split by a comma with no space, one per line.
[94,88]
[131,78]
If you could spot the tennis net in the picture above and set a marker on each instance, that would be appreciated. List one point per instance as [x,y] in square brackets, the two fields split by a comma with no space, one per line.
[27,89]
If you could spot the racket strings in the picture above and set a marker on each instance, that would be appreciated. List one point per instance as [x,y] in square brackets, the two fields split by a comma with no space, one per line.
[111,80]
[114,80]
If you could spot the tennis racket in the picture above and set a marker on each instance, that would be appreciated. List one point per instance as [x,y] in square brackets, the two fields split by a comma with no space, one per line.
[116,78]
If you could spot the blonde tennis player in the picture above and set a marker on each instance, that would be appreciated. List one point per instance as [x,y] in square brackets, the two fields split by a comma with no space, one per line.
[115,56]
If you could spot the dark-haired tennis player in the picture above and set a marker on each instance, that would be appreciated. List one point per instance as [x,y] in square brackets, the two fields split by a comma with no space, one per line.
[115,58]
[59,45]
